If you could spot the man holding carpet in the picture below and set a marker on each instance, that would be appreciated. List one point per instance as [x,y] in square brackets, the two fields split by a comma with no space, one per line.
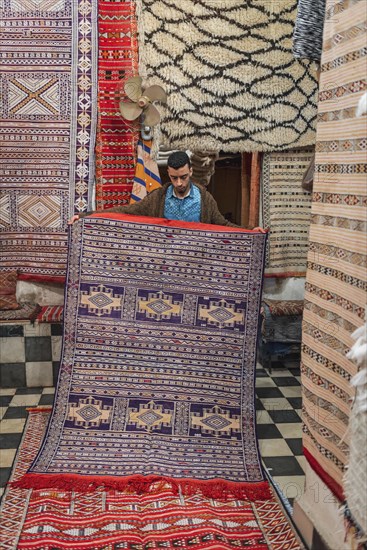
[179,200]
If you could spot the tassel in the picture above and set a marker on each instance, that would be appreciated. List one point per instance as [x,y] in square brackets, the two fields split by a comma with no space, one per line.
[216,489]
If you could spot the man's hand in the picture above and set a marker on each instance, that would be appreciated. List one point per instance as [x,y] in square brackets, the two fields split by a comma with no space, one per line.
[73,219]
[260,229]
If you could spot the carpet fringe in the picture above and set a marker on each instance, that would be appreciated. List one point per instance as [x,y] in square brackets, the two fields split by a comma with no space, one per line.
[217,489]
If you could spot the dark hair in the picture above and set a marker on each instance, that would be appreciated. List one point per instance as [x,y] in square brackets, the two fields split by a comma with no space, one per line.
[178,159]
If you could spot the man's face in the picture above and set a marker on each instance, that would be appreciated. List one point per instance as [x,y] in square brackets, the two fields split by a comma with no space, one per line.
[180,179]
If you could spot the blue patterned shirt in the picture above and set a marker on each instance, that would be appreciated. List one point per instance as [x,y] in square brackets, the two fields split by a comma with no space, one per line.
[187,209]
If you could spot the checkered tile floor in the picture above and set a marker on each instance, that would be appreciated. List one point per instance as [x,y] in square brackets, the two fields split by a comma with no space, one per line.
[278,414]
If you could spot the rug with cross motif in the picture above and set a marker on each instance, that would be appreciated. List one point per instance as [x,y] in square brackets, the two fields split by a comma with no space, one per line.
[158,362]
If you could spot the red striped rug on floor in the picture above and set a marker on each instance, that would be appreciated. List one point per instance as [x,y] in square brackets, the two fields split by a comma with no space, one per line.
[50,314]
[49,518]
[116,138]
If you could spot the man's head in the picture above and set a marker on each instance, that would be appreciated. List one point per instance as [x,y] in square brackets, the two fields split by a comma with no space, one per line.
[179,171]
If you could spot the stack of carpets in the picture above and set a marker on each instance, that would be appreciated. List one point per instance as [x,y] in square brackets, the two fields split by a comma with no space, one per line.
[152,439]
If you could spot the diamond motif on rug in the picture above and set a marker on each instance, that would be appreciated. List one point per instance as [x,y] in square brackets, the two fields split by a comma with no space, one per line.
[100,300]
[216,422]
[221,314]
[89,412]
[39,211]
[159,306]
[149,417]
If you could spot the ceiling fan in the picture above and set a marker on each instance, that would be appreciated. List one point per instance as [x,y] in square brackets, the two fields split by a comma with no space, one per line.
[140,102]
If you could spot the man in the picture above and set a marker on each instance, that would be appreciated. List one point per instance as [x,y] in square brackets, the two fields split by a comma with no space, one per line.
[179,200]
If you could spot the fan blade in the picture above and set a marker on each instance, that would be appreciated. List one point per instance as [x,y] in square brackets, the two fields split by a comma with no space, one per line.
[151,116]
[156,93]
[132,88]
[130,111]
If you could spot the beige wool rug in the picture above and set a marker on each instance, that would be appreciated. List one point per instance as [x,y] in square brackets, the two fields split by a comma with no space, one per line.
[229,71]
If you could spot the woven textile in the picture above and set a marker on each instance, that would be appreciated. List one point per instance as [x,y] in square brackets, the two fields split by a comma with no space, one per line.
[230,74]
[58,519]
[147,176]
[286,211]
[51,314]
[116,138]
[336,272]
[25,312]
[48,113]
[157,374]
[308,31]
[8,287]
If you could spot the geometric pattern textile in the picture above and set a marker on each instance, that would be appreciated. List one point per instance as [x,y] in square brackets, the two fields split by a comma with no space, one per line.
[336,281]
[147,176]
[25,312]
[8,287]
[286,211]
[110,519]
[308,30]
[228,68]
[51,314]
[157,373]
[48,111]
[116,137]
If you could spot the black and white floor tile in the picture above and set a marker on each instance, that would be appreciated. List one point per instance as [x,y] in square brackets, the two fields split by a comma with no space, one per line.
[278,416]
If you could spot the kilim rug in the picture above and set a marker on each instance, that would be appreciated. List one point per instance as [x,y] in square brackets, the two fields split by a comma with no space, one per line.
[157,374]
[48,112]
[116,139]
[51,519]
[286,212]
[230,74]
[336,276]
[50,314]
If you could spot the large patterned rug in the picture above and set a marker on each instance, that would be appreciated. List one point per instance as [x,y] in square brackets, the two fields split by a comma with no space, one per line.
[286,212]
[336,276]
[230,74]
[116,138]
[157,375]
[50,519]
[48,112]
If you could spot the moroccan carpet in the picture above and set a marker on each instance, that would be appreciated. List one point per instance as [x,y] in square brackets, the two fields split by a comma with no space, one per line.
[230,74]
[116,138]
[157,371]
[286,212]
[336,276]
[50,518]
[48,112]
[308,30]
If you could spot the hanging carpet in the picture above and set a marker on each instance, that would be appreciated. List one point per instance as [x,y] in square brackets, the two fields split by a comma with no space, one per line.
[116,138]
[286,212]
[158,365]
[336,281]
[48,112]
[49,518]
[232,81]
[308,30]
